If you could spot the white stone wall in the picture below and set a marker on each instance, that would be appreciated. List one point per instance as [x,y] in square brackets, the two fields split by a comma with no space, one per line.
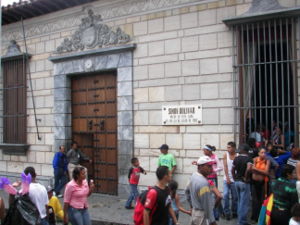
[183,56]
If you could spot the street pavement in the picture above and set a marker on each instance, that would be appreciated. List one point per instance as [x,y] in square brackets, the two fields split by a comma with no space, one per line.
[110,210]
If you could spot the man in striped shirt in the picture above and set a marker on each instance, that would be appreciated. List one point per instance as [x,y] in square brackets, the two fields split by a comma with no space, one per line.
[293,160]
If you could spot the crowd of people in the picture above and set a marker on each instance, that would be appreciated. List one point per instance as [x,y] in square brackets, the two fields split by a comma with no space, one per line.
[253,173]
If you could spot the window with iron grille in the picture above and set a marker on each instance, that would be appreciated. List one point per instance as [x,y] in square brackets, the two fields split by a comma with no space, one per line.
[266,81]
[14,95]
[14,102]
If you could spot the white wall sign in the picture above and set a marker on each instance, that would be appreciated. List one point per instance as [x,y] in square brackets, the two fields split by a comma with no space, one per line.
[182,115]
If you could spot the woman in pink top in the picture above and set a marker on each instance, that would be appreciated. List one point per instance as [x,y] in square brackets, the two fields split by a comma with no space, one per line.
[213,179]
[217,166]
[75,198]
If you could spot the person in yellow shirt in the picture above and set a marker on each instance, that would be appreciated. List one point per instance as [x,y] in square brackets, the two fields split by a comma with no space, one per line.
[54,203]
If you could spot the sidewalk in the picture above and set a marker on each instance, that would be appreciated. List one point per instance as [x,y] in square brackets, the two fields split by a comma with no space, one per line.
[109,210]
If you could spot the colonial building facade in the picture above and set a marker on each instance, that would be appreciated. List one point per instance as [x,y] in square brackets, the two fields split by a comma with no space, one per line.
[102,73]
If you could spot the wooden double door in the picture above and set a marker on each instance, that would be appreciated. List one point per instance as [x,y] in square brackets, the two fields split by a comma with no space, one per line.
[94,127]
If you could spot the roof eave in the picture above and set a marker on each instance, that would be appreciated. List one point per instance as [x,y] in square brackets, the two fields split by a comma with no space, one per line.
[247,18]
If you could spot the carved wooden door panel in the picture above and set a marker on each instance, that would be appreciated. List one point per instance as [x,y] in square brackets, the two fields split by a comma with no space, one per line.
[94,123]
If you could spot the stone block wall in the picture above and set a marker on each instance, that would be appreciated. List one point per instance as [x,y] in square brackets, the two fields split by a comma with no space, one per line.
[183,56]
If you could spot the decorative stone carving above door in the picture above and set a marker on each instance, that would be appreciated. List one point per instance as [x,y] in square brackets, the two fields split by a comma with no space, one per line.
[93,33]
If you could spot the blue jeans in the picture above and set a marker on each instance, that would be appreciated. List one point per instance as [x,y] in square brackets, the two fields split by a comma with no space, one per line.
[230,189]
[134,193]
[219,210]
[171,222]
[60,179]
[79,216]
[44,221]
[243,195]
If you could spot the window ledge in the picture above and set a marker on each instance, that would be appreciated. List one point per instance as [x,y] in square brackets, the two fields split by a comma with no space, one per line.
[14,149]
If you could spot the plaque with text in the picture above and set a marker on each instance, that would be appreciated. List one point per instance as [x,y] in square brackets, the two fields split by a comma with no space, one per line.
[182,115]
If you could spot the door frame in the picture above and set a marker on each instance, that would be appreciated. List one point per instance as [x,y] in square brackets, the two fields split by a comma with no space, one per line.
[118,59]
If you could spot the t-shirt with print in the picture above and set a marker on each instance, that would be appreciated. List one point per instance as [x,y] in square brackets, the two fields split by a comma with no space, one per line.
[240,164]
[285,194]
[134,174]
[158,202]
[167,160]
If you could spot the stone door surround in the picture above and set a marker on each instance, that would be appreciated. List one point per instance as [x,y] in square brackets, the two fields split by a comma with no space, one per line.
[119,59]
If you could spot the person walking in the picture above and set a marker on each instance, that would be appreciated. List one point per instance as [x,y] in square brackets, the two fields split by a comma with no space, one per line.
[260,182]
[199,195]
[241,168]
[167,159]
[38,195]
[75,156]
[176,205]
[75,198]
[229,187]
[157,207]
[134,178]
[285,197]
[60,166]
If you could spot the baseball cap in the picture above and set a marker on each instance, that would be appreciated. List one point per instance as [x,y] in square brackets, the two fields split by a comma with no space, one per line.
[49,188]
[204,160]
[164,146]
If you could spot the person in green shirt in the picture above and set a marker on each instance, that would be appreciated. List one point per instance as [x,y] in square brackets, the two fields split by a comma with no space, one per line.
[167,159]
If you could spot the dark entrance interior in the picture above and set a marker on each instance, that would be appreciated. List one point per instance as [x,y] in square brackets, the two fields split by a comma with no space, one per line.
[94,127]
[274,90]
[267,63]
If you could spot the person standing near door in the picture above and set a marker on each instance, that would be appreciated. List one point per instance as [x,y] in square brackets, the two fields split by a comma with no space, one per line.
[75,156]
[60,166]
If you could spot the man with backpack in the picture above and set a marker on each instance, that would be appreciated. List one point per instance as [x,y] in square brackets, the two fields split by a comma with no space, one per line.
[154,206]
[199,195]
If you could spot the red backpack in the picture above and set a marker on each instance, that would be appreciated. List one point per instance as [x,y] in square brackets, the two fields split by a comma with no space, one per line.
[138,215]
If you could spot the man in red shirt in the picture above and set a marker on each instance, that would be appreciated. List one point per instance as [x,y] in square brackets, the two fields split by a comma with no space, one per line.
[134,178]
[158,200]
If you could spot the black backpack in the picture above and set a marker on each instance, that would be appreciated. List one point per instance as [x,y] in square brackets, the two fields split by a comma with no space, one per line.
[22,212]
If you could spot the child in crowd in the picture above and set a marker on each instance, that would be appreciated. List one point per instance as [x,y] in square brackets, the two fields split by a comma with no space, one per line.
[167,159]
[54,207]
[176,205]
[134,177]
[295,220]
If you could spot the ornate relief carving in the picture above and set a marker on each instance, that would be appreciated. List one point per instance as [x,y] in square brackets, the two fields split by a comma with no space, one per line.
[130,7]
[92,33]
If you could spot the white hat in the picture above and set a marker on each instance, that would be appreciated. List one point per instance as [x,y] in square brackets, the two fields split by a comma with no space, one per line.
[204,159]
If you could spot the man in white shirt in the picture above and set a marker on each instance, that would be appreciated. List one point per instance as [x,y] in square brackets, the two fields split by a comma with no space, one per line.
[38,195]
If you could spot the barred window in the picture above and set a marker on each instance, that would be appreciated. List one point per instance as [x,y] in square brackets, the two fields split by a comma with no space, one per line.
[14,95]
[266,81]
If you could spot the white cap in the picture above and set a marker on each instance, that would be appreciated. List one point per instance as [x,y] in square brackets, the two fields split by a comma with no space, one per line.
[204,159]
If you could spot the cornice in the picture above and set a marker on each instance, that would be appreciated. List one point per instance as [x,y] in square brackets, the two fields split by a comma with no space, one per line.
[72,17]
